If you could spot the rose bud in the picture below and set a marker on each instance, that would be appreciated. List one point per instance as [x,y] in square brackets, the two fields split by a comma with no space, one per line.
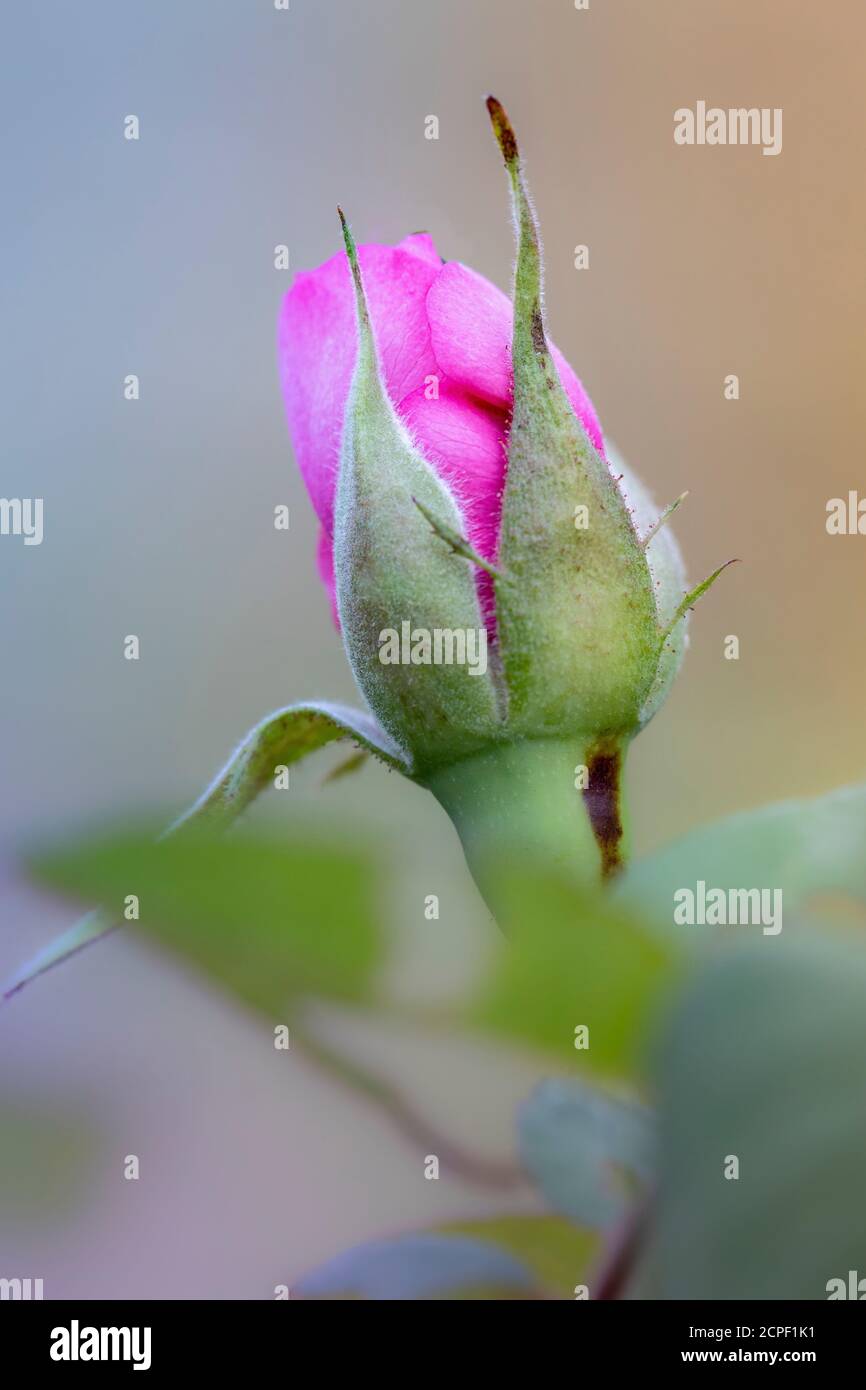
[511,603]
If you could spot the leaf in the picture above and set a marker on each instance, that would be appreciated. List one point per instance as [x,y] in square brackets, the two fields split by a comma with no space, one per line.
[575,1142]
[764,1060]
[573,958]
[555,1252]
[415,1267]
[86,930]
[282,738]
[264,920]
[802,847]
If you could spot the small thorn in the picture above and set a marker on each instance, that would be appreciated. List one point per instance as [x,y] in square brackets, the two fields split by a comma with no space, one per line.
[691,599]
[350,764]
[454,540]
[665,516]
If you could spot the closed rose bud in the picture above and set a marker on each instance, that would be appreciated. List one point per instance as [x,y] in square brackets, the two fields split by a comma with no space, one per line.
[463,488]
[511,602]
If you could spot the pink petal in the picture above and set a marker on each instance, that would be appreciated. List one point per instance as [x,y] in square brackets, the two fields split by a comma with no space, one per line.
[421,244]
[464,439]
[317,347]
[470,327]
[428,320]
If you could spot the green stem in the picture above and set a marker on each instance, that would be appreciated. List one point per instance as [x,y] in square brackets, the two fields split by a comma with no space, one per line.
[530,799]
[409,1122]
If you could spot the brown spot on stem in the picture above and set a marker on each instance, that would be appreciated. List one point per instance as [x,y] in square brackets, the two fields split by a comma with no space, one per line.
[539,342]
[601,798]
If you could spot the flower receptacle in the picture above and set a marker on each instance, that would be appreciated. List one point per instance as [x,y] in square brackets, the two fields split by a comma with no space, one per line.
[553,800]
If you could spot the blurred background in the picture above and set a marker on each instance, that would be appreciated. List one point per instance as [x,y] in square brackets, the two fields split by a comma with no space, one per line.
[156,257]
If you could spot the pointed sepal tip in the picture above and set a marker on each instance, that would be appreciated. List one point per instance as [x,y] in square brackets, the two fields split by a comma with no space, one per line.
[503,130]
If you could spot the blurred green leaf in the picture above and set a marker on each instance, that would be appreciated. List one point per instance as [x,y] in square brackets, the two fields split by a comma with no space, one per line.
[426,1265]
[586,1150]
[46,1159]
[557,1253]
[265,920]
[82,933]
[574,959]
[803,847]
[282,738]
[764,1060]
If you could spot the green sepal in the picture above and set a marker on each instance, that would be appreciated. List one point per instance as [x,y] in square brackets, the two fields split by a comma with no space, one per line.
[576,609]
[392,569]
[668,572]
